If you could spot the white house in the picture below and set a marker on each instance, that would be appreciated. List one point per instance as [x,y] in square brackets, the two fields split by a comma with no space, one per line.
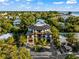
[62,39]
[38,30]
[17,21]
[5,36]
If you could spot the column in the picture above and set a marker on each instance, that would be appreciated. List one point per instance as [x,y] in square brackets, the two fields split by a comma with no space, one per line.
[33,39]
[27,39]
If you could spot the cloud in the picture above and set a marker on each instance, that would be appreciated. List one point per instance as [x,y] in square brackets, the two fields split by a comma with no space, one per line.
[69,7]
[37,8]
[60,2]
[1,1]
[24,6]
[4,2]
[71,1]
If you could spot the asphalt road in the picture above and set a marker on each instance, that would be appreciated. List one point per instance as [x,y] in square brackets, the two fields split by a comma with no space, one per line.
[42,57]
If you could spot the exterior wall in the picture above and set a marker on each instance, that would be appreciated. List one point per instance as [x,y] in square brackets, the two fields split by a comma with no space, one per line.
[32,38]
[35,34]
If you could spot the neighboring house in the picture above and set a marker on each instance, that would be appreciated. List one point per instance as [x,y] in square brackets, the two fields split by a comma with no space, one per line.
[64,16]
[17,21]
[76,36]
[62,25]
[39,30]
[5,36]
[10,17]
[3,14]
[62,39]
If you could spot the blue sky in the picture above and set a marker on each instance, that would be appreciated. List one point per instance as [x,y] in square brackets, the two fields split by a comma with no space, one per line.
[39,5]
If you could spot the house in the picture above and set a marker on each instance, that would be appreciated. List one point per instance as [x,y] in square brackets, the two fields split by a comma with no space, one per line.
[62,25]
[62,39]
[10,17]
[6,36]
[39,30]
[76,36]
[3,14]
[17,21]
[65,16]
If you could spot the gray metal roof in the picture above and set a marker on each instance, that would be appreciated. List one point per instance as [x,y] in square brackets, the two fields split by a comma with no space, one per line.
[44,27]
[40,25]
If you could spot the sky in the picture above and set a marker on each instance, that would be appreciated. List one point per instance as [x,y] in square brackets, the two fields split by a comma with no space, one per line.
[39,5]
